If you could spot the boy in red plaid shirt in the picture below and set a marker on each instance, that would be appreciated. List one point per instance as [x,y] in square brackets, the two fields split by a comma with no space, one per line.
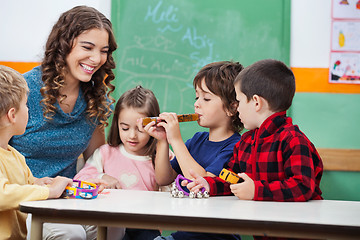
[274,158]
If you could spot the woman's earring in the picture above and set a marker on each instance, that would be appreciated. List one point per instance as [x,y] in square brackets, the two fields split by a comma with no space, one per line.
[92,83]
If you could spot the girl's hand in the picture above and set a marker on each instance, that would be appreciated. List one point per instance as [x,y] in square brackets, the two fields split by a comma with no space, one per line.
[43,181]
[112,182]
[101,183]
[171,126]
[244,190]
[197,183]
[153,130]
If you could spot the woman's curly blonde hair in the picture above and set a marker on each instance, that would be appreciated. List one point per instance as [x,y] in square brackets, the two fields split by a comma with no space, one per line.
[59,44]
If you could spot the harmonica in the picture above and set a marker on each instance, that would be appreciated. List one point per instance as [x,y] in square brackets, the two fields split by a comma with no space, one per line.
[181,118]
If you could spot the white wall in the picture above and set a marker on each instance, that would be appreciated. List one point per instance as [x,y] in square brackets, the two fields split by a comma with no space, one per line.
[310,33]
[26,24]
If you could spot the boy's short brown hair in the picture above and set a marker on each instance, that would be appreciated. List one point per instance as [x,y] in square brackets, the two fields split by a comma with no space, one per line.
[270,79]
[12,90]
[219,79]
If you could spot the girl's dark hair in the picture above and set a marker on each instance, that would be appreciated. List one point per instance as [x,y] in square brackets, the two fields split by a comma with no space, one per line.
[143,100]
[270,79]
[219,79]
[59,44]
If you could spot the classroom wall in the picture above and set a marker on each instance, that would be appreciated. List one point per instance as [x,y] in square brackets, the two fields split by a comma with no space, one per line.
[26,24]
[329,119]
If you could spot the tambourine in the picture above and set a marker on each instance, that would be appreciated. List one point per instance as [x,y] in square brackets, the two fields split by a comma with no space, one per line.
[179,191]
[82,190]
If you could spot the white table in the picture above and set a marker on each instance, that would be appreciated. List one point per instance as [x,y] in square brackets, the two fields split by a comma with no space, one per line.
[158,210]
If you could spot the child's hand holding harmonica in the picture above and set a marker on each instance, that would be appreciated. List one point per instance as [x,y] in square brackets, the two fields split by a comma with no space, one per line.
[167,125]
[171,125]
[164,127]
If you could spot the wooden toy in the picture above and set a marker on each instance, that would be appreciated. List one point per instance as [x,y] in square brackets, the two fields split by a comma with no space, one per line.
[181,118]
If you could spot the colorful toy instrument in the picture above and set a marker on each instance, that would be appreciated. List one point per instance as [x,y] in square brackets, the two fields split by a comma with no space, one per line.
[181,118]
[230,176]
[82,190]
[179,191]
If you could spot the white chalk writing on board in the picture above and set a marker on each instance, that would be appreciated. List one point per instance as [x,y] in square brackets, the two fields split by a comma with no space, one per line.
[154,60]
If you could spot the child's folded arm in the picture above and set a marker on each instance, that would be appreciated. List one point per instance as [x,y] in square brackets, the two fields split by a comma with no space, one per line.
[12,194]
[218,187]
[297,182]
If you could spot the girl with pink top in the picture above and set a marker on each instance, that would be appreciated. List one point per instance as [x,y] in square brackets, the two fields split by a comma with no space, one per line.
[127,160]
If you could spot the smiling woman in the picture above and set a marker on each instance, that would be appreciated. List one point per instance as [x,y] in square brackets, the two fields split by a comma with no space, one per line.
[69,102]
[89,53]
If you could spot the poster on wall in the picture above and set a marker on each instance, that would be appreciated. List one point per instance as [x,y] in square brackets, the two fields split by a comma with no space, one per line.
[346,36]
[345,68]
[346,9]
[345,42]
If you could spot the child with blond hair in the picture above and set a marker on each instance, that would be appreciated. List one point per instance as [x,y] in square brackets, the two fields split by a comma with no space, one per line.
[17,183]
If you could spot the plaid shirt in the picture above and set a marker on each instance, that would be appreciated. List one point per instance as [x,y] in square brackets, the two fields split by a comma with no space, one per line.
[281,160]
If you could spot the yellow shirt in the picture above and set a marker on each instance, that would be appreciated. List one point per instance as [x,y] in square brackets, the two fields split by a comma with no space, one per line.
[16,185]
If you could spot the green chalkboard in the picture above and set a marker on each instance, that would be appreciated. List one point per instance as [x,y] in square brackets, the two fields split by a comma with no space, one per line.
[163,43]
